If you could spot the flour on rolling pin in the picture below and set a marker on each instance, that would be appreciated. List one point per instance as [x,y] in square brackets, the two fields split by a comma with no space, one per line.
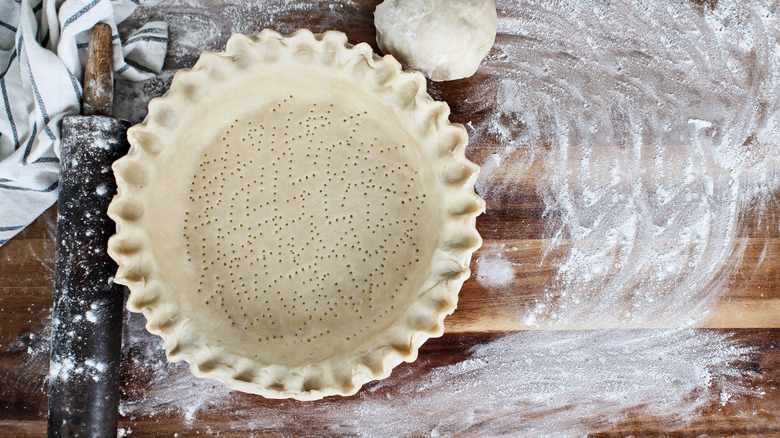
[634,112]
[89,167]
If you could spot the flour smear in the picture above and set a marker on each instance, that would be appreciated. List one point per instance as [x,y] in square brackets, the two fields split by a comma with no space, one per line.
[656,125]
[536,384]
[652,128]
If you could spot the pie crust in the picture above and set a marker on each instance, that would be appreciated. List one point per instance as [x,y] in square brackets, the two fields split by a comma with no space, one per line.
[296,216]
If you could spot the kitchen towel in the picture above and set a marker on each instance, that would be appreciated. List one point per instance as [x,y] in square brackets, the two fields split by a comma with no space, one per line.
[43,46]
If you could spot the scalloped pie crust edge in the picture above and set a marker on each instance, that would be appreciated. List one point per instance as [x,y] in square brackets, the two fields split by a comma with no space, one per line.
[427,120]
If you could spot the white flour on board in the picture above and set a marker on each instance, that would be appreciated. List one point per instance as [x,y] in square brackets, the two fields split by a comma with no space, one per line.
[656,126]
[494,270]
[541,383]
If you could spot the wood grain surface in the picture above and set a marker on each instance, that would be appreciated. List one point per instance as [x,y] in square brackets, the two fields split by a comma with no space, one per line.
[750,309]
[98,73]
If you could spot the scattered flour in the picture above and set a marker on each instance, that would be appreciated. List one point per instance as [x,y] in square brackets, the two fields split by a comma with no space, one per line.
[651,128]
[535,383]
[101,190]
[494,270]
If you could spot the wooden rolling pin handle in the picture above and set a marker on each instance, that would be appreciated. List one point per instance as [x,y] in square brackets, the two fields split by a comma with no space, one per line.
[99,73]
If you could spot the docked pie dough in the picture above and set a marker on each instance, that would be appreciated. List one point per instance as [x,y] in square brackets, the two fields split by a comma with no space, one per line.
[296,216]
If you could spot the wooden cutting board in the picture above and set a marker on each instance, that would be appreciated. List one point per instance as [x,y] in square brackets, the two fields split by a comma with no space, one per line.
[749,311]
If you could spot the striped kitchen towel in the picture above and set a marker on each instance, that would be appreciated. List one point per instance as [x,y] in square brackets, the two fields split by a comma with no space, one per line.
[42,51]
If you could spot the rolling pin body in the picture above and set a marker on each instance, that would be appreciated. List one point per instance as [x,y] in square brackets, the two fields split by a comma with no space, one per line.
[87,314]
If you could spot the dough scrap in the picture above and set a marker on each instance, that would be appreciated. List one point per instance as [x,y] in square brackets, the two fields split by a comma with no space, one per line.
[444,39]
[296,216]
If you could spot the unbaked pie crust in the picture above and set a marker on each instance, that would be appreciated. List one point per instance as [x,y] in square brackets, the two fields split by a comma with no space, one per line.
[296,216]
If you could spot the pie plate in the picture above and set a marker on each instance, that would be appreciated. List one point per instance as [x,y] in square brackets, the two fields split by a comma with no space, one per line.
[296,215]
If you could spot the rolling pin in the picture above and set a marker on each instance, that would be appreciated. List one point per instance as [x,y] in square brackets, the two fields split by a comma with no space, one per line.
[86,340]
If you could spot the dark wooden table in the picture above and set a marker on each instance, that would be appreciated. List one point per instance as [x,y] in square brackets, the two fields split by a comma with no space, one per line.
[749,312]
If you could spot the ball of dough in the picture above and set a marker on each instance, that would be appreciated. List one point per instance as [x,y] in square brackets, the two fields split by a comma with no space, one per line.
[445,39]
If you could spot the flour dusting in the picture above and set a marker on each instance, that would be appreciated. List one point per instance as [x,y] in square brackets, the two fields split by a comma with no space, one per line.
[536,383]
[167,387]
[494,270]
[649,129]
[653,128]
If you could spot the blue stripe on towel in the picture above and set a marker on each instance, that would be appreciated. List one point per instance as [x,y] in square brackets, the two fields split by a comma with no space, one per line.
[79,13]
[8,113]
[28,149]
[26,189]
